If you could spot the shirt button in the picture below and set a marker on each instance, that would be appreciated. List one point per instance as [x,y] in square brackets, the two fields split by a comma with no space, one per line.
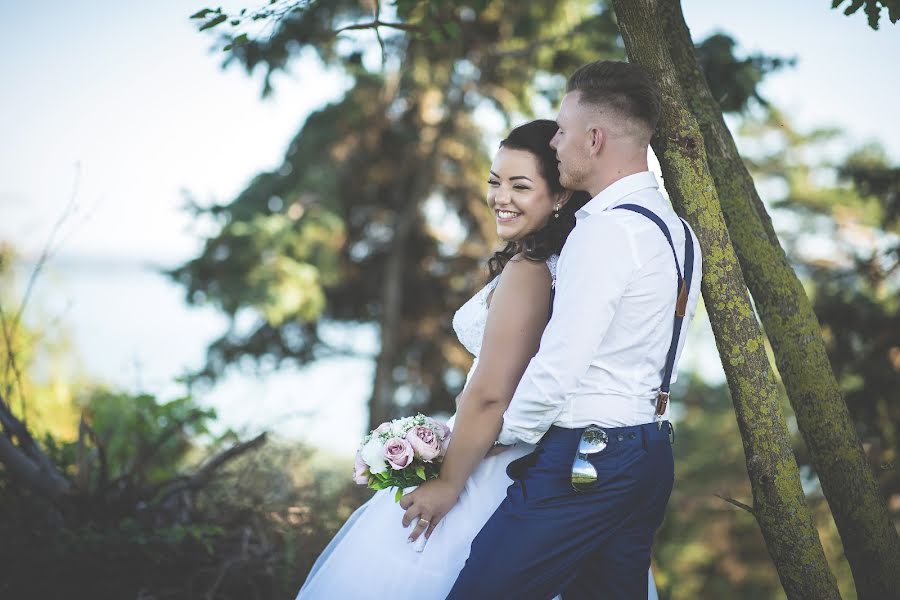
[631,435]
[620,437]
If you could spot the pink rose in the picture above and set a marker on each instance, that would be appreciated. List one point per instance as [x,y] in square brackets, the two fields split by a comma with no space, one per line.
[383,428]
[360,471]
[398,453]
[425,442]
[444,430]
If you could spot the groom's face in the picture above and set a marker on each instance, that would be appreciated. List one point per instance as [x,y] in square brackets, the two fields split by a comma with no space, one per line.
[572,143]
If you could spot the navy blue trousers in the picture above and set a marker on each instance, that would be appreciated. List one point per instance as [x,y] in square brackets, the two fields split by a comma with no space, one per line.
[546,538]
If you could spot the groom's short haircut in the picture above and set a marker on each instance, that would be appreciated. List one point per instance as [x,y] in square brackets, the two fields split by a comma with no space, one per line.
[625,89]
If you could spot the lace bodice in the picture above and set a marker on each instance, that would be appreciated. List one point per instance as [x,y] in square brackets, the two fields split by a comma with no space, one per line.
[470,320]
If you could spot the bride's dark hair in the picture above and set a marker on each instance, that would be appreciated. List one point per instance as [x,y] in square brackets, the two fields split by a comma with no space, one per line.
[534,137]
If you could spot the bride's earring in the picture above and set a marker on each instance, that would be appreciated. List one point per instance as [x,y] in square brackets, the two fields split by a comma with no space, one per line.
[556,211]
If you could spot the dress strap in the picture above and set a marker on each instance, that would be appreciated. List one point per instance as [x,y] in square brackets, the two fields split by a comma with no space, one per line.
[552,263]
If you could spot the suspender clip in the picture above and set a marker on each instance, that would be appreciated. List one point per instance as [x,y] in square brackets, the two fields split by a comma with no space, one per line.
[681,303]
[662,401]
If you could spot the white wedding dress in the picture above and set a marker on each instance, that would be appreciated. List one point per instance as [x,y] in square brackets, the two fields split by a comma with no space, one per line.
[370,557]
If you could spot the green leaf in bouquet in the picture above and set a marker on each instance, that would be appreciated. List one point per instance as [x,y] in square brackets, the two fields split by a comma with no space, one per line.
[420,471]
[398,495]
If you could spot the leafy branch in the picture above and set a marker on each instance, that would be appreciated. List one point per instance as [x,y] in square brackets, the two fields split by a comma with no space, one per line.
[872,9]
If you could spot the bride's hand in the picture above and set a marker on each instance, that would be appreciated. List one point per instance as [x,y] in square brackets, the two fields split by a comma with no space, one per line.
[428,503]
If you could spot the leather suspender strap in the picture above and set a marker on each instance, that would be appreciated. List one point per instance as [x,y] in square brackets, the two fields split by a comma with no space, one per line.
[684,286]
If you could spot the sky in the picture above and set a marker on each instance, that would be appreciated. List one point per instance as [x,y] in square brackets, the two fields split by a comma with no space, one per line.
[126,99]
[123,106]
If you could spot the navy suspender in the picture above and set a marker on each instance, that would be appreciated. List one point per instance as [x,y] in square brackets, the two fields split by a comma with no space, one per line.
[684,286]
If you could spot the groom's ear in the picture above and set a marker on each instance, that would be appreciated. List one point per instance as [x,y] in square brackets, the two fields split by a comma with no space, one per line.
[596,139]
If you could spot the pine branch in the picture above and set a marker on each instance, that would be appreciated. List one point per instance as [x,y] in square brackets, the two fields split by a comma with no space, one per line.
[749,509]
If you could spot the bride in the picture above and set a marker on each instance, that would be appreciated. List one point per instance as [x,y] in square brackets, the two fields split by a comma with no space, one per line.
[373,554]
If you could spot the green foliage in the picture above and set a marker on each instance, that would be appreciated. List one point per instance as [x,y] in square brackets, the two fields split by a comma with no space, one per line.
[853,279]
[873,178]
[137,517]
[129,530]
[405,478]
[734,81]
[872,9]
[376,214]
[142,438]
[45,403]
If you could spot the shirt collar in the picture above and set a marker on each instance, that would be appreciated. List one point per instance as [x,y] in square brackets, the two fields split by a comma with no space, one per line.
[617,191]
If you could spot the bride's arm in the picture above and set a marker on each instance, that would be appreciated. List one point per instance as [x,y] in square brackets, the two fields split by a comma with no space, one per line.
[516,318]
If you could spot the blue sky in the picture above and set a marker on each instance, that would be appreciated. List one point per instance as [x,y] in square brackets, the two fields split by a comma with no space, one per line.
[130,92]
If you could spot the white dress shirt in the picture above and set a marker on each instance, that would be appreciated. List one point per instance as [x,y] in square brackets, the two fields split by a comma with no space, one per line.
[603,353]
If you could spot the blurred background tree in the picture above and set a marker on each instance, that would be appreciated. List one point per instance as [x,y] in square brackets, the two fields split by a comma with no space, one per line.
[839,206]
[376,216]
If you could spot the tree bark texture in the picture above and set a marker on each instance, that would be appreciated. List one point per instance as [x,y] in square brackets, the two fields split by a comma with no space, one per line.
[870,541]
[779,504]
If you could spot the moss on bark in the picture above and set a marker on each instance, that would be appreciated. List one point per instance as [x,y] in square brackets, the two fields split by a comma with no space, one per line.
[779,503]
[870,541]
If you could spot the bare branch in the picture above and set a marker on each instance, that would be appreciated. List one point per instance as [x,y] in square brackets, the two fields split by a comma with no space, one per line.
[48,247]
[27,461]
[10,327]
[15,427]
[51,486]
[164,435]
[11,363]
[378,34]
[86,432]
[749,509]
[376,24]
[205,473]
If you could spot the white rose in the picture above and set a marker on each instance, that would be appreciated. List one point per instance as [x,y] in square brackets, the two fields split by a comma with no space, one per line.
[400,426]
[373,455]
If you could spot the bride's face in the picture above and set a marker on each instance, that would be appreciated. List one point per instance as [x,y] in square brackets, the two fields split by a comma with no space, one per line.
[518,194]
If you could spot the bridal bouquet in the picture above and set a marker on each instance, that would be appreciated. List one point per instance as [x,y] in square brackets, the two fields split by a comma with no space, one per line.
[402,453]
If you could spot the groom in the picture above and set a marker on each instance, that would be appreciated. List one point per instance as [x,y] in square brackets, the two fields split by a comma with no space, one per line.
[580,516]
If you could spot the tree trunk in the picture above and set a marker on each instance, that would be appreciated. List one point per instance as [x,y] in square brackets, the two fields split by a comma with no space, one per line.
[778,501]
[870,541]
[424,164]
[411,193]
[381,405]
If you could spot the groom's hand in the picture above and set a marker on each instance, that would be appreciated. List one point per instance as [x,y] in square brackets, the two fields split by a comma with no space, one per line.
[428,503]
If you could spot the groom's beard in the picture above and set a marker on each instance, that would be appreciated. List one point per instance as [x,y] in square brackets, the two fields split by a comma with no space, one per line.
[574,179]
